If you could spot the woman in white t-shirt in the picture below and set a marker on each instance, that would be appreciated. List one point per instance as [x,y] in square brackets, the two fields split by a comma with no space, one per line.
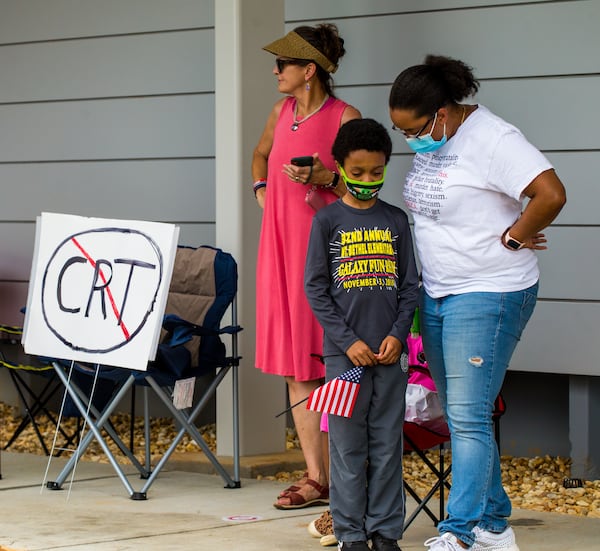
[470,175]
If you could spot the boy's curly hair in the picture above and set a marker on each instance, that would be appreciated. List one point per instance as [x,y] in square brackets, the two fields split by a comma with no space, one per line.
[359,134]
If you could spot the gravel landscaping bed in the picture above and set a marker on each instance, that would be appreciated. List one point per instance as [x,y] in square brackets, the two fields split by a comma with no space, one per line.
[536,483]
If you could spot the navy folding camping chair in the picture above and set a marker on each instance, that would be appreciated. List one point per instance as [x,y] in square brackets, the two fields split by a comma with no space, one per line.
[203,288]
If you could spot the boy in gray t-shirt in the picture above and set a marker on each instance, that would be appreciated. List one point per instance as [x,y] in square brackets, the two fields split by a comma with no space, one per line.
[362,284]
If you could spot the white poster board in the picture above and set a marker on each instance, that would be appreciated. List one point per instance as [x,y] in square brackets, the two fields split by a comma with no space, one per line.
[98,289]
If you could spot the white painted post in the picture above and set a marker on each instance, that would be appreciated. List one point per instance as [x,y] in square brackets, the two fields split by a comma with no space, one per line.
[245,91]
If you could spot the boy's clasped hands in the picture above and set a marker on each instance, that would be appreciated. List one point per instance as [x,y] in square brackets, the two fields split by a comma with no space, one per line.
[360,353]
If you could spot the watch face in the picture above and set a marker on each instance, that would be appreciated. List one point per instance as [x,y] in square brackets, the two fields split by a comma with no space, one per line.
[513,244]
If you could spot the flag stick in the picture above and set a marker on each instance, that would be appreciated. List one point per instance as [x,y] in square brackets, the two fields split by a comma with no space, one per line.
[292,406]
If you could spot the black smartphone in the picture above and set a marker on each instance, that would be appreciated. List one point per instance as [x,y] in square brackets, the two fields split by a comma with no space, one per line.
[302,161]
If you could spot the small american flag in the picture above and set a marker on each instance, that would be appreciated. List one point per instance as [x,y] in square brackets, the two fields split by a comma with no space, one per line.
[337,396]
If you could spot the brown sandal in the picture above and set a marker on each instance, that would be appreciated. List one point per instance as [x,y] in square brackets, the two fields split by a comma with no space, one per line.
[294,487]
[297,501]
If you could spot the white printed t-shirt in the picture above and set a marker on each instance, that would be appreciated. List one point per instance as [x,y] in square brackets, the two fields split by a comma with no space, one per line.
[462,198]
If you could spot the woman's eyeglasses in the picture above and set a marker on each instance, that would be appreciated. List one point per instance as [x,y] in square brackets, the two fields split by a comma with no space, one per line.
[407,135]
[282,63]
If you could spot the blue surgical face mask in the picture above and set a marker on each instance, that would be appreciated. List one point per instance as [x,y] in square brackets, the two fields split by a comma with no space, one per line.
[426,143]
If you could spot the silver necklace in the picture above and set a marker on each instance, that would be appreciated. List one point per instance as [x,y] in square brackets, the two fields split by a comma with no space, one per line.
[296,124]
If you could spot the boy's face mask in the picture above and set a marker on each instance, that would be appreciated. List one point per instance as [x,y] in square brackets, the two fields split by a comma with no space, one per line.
[363,191]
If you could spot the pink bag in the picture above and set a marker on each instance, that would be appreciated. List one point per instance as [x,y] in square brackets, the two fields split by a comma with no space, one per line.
[423,405]
[314,198]
[416,358]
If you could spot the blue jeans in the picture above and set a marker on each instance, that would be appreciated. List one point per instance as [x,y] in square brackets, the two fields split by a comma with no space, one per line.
[469,340]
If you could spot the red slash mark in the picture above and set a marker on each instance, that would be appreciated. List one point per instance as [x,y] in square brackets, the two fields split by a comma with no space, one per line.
[108,292]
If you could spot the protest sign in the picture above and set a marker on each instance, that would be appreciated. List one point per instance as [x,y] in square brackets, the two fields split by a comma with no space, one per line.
[98,289]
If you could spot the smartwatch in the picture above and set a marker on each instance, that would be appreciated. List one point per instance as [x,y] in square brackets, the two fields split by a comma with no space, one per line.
[333,184]
[511,242]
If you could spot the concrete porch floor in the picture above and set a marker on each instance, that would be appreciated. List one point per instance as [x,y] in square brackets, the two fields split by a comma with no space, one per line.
[187,509]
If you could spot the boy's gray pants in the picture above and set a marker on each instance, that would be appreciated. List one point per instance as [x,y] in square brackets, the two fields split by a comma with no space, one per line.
[366,487]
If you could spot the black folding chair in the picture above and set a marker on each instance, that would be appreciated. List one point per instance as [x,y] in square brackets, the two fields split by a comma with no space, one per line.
[419,439]
[36,402]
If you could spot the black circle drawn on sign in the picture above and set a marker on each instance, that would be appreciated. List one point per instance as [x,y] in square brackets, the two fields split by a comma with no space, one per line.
[147,313]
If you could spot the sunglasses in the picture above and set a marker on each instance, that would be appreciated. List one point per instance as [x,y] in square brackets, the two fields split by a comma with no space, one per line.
[282,63]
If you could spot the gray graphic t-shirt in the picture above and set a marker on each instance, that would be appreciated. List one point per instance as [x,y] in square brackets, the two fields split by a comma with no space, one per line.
[360,276]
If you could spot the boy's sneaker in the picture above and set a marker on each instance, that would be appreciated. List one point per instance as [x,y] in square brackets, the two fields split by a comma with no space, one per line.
[380,543]
[353,546]
[322,528]
[445,542]
[490,541]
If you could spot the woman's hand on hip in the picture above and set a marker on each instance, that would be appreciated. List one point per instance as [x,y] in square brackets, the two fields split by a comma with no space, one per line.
[536,242]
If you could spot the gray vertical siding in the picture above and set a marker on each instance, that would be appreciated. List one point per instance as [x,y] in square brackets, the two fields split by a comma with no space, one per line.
[106,109]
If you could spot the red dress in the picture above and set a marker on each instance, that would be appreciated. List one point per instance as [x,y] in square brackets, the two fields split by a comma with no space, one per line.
[287,333]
